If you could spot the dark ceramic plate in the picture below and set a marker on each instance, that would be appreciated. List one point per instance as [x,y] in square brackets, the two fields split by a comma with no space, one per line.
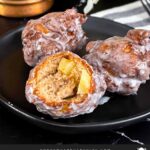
[118,112]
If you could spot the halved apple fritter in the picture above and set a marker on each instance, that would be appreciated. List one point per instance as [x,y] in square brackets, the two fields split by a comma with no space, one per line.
[64,85]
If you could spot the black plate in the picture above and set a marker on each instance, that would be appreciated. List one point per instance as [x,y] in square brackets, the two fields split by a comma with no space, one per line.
[118,112]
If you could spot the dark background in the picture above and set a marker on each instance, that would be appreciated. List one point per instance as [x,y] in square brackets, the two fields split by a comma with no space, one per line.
[59,5]
[14,130]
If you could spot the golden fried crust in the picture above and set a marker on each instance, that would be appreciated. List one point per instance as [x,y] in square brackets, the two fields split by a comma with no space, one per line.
[35,75]
[118,56]
[139,36]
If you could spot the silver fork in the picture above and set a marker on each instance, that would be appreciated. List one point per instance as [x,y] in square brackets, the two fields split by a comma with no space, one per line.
[146,4]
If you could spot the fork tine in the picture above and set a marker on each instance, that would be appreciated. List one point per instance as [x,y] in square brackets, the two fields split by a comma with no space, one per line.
[146,4]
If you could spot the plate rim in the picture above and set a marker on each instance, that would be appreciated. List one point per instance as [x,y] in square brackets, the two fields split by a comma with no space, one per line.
[95,126]
[106,124]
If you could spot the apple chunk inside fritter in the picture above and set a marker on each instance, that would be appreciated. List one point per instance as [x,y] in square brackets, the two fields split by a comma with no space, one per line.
[82,78]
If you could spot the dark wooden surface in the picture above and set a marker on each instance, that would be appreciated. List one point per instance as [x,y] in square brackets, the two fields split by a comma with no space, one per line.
[14,130]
